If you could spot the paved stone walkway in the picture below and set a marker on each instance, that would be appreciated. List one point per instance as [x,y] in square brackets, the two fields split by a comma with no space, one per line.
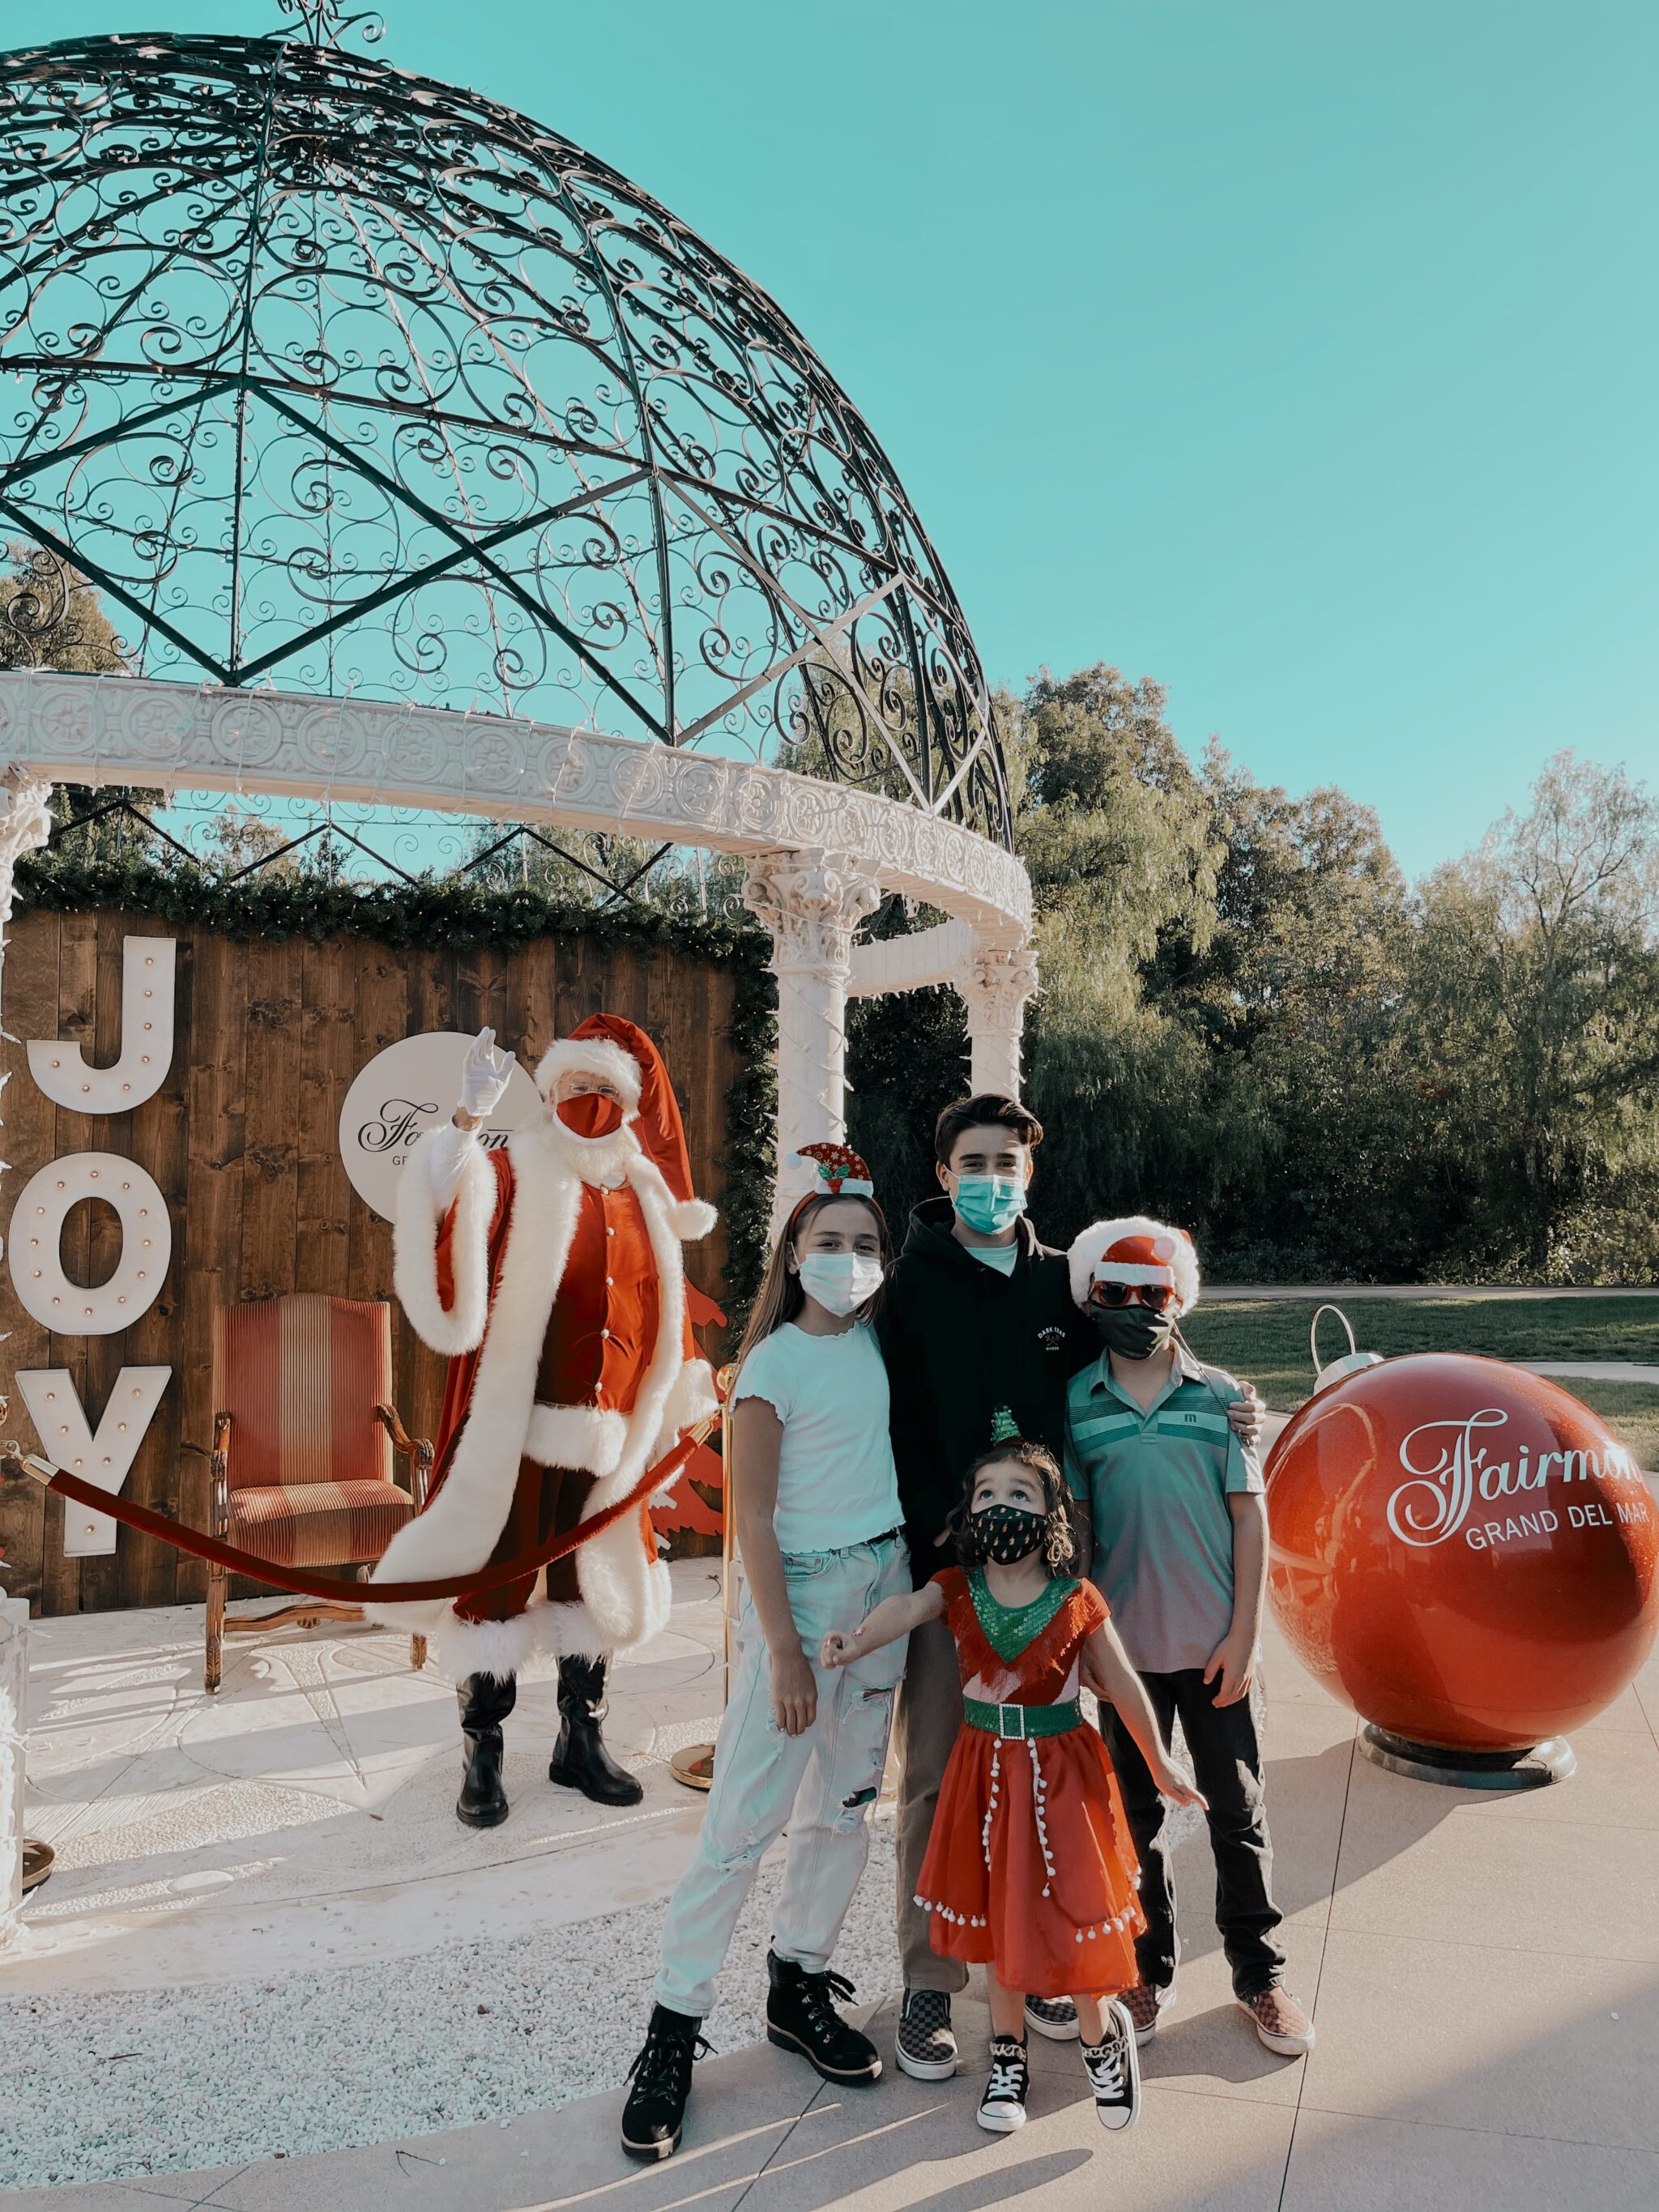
[1485,1976]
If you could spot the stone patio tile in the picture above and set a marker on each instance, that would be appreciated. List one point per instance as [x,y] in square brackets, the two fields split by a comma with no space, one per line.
[1341,2164]
[742,2111]
[1518,2042]
[1617,1785]
[1451,1865]
[917,2145]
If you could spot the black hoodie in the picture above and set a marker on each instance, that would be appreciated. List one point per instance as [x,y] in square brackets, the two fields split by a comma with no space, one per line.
[962,1340]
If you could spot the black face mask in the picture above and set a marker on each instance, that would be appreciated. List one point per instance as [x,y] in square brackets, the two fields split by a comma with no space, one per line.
[1133,1332]
[1004,1534]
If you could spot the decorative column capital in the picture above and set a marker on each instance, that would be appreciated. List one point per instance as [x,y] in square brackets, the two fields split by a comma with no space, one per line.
[25,816]
[812,900]
[996,982]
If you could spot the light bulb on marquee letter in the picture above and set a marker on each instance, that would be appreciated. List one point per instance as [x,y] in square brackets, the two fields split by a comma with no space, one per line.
[43,1289]
[67,1439]
[60,1069]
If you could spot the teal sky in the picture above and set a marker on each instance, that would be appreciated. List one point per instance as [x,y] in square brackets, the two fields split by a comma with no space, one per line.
[1300,356]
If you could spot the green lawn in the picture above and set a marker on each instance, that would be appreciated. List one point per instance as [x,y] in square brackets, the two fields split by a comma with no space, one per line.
[1267,1340]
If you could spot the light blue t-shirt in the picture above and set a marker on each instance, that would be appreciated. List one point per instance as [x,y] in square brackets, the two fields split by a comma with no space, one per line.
[837,1485]
[1000,1256]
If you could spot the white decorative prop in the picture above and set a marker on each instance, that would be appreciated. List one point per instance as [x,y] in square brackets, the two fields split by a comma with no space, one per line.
[67,1440]
[60,1069]
[13,1691]
[411,1087]
[43,1289]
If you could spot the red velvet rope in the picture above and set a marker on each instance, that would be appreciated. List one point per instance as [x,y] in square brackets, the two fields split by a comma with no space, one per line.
[302,1584]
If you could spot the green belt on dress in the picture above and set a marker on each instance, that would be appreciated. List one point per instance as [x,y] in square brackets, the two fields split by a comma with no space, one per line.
[1017,1722]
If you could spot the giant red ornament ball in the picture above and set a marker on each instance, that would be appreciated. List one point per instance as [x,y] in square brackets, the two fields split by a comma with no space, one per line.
[1462,1552]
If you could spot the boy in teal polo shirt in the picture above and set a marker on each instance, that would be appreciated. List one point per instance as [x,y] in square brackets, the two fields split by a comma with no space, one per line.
[1173,1504]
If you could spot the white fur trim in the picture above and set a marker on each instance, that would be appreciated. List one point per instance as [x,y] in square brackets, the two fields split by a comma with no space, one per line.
[604,1161]
[484,1647]
[459,1328]
[590,1056]
[457,1533]
[623,1588]
[692,1218]
[590,1437]
[1087,1246]
[692,1399]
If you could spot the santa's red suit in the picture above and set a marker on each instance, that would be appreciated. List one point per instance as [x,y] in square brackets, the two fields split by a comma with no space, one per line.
[553,1280]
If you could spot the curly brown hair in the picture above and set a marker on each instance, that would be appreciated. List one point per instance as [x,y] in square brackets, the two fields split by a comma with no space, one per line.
[1060,1539]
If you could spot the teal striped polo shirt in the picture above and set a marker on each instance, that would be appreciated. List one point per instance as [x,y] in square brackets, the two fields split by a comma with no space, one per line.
[1157,1486]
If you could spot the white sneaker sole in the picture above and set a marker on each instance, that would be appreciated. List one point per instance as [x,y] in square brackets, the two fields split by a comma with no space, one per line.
[926,2069]
[1282,2046]
[1063,2032]
[1002,2119]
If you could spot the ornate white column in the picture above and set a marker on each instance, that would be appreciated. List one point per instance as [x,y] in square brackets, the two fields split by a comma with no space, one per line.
[25,824]
[996,982]
[811,900]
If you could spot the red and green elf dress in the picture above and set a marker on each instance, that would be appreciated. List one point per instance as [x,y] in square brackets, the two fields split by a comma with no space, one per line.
[1030,1865]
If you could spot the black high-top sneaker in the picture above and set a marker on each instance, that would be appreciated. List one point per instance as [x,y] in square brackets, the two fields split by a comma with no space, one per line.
[485,1701]
[661,2076]
[1113,2066]
[1002,2108]
[799,2016]
[580,1760]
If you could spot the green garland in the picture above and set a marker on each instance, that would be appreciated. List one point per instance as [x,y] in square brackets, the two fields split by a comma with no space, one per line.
[462,917]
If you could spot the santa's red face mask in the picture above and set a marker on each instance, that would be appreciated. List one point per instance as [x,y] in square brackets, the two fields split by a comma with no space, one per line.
[590,1114]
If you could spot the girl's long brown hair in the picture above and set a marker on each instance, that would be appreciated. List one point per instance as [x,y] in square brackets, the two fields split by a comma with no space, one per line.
[780,1296]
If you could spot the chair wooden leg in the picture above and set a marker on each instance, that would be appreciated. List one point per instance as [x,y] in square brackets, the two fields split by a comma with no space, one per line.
[418,1652]
[217,1582]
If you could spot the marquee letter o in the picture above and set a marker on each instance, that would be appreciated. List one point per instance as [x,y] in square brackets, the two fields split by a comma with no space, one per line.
[44,1290]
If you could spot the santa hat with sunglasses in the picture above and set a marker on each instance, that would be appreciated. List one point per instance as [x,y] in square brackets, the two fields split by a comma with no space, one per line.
[1135,1253]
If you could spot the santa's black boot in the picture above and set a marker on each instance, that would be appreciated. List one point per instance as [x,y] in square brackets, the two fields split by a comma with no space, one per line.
[485,1701]
[580,1760]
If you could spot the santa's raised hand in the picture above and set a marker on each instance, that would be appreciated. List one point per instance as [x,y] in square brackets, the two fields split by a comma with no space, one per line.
[485,1074]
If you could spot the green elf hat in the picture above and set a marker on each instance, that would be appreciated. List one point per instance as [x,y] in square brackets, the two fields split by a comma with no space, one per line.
[1005,1429]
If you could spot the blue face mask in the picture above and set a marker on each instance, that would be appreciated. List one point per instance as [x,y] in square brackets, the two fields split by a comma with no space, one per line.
[989,1203]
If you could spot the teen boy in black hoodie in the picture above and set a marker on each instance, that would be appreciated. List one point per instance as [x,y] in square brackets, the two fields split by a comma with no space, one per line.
[978,1318]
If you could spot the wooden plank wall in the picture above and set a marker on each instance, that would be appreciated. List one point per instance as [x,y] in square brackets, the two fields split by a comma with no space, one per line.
[243,1140]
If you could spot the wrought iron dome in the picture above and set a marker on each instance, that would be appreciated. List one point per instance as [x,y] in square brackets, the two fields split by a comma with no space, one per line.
[337,380]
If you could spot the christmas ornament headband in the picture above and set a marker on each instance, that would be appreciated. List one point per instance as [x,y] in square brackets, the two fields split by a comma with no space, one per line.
[1005,1429]
[837,1171]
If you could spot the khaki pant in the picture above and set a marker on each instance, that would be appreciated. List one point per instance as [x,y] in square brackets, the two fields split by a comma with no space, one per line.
[929,1717]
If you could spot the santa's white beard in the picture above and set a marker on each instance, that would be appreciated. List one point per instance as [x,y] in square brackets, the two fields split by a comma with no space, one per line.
[602,1160]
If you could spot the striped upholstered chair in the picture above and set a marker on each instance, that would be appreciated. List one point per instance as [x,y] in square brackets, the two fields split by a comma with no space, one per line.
[304,1436]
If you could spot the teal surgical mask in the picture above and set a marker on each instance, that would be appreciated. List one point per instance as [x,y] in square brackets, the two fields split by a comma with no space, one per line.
[989,1204]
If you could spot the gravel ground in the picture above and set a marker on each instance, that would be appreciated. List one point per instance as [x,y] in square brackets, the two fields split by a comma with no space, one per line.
[99,2087]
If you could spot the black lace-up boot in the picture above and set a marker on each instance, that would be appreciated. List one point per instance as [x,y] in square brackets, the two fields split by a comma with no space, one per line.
[799,2016]
[661,2079]
[580,1760]
[485,1701]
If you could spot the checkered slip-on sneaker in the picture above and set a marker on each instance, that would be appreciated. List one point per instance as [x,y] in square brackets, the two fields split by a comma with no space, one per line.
[1280,2022]
[1055,2017]
[926,2049]
[1145,2005]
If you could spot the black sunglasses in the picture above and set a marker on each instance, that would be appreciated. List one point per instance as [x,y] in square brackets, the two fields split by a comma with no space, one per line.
[1157,1297]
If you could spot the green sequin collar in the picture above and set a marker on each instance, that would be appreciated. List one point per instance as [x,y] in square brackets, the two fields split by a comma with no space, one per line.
[1009,1629]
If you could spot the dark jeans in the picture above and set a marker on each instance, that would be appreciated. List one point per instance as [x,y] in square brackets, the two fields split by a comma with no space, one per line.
[1226,1761]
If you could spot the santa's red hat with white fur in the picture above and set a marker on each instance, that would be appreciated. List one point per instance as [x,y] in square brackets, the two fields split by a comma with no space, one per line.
[1138,1251]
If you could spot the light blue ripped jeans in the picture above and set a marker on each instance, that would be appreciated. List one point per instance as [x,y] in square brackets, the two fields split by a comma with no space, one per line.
[820,1785]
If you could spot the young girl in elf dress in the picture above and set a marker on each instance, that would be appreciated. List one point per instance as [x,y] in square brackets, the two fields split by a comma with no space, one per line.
[1029,1869]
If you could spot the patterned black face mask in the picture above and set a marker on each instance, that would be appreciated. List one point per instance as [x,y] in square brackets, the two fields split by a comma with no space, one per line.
[1004,1534]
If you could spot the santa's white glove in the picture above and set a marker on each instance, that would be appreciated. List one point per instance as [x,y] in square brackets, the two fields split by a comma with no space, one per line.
[485,1074]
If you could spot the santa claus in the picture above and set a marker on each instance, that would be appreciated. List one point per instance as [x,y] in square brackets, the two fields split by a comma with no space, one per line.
[550,1272]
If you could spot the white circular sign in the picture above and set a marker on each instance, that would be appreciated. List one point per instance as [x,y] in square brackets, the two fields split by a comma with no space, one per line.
[408,1089]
